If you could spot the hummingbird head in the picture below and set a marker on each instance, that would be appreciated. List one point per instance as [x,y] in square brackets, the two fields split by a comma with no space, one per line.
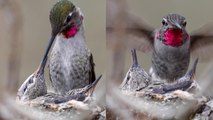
[65,18]
[173,32]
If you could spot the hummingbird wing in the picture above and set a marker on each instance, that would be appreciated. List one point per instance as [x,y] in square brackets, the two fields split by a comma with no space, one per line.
[92,76]
[202,42]
[138,34]
[139,28]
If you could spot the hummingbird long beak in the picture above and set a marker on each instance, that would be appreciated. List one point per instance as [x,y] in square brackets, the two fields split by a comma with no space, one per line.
[44,60]
[178,25]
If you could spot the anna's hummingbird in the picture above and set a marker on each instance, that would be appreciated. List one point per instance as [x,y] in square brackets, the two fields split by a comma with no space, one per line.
[35,86]
[171,55]
[71,62]
[171,45]
[79,94]
[136,78]
[186,82]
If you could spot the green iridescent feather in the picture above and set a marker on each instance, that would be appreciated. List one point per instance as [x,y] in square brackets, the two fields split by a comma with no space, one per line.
[58,14]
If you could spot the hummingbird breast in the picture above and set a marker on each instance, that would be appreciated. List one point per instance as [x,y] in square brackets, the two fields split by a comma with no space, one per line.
[170,63]
[69,64]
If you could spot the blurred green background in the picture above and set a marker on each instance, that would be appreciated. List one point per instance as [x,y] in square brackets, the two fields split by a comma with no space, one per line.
[36,34]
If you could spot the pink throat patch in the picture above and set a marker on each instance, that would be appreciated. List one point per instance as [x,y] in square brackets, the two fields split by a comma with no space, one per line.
[173,37]
[71,32]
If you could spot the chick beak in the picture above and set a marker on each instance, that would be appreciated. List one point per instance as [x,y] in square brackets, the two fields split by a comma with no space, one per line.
[192,72]
[90,88]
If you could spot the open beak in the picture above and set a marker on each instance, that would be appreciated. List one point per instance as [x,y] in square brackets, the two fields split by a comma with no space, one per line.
[44,60]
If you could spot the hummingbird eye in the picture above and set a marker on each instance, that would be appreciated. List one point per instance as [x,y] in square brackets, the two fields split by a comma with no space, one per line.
[68,18]
[184,23]
[164,22]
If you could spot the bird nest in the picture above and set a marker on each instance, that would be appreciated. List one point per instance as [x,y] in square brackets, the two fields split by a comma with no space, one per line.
[73,108]
[75,103]
[177,104]
[145,98]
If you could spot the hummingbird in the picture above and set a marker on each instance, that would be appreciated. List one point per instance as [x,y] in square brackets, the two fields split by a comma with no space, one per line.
[183,83]
[79,94]
[71,62]
[171,56]
[171,45]
[136,78]
[35,86]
